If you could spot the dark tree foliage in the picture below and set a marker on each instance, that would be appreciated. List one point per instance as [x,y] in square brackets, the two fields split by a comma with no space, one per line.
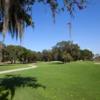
[64,51]
[1,50]
[15,15]
[16,54]
[86,55]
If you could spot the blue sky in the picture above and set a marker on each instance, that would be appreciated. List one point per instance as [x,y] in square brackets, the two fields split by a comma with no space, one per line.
[85,29]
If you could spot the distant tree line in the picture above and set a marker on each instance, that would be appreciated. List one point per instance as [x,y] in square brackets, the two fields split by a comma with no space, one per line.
[18,54]
[64,51]
[97,58]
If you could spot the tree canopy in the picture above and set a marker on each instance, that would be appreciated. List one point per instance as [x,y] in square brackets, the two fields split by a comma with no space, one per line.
[16,15]
[64,51]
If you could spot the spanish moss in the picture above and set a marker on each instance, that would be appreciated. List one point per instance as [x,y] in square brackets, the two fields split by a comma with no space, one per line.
[16,15]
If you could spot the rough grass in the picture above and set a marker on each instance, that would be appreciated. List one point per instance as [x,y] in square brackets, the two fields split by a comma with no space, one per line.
[55,81]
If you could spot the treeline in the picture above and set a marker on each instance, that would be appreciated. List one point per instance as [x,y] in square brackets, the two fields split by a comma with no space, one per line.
[18,54]
[64,51]
[97,58]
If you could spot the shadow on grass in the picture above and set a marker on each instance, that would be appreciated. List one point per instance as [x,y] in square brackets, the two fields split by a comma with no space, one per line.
[10,83]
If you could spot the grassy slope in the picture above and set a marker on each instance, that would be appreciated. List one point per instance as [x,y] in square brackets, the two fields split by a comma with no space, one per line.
[75,81]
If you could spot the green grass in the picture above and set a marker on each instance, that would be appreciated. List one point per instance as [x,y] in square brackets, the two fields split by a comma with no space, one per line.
[12,66]
[55,81]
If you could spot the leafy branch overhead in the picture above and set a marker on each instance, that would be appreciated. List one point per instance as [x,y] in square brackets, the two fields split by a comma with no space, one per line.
[15,15]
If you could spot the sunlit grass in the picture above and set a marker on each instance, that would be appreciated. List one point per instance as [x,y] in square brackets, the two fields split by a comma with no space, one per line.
[72,81]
